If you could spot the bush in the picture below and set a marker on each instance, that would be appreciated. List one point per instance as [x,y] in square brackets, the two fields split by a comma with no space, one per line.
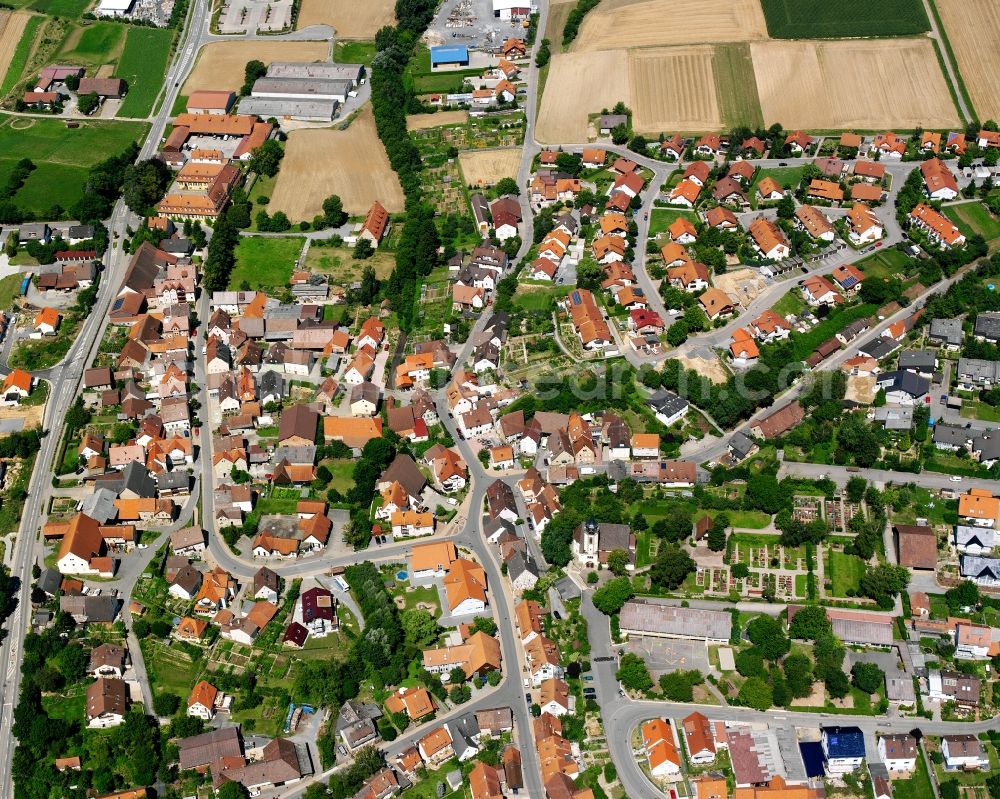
[166,704]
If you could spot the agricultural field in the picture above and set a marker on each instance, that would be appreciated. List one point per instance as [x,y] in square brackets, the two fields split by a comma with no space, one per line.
[558,13]
[143,64]
[265,262]
[821,19]
[351,163]
[973,31]
[828,85]
[61,155]
[348,19]
[425,121]
[12,52]
[94,45]
[673,89]
[686,22]
[484,168]
[736,87]
[580,84]
[220,65]
[68,9]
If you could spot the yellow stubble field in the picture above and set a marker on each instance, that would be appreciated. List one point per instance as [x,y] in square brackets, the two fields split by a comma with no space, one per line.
[486,167]
[867,84]
[973,28]
[347,18]
[580,84]
[645,23]
[350,163]
[673,88]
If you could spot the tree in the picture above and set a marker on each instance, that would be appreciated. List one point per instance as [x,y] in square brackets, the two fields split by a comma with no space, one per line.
[232,790]
[717,535]
[837,684]
[88,103]
[72,663]
[460,694]
[740,571]
[678,686]
[456,675]
[166,704]
[786,207]
[253,70]
[963,595]
[766,633]
[883,583]
[363,250]
[632,673]
[765,493]
[672,566]
[810,623]
[611,596]
[420,628]
[618,561]
[856,488]
[677,333]
[798,674]
[145,183]
[333,211]
[507,186]
[867,677]
[267,158]
[756,693]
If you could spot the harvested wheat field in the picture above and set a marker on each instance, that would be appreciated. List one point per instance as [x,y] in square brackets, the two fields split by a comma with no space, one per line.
[645,23]
[220,65]
[673,88]
[580,84]
[486,167]
[973,28]
[351,163]
[873,84]
[349,20]
[424,121]
[12,27]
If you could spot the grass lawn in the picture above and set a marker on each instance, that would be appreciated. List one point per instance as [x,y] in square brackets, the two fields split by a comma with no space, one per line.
[10,287]
[265,262]
[272,505]
[342,471]
[538,299]
[143,64]
[662,218]
[788,177]
[169,671]
[744,519]
[791,304]
[973,217]
[61,156]
[354,53]
[883,263]
[643,549]
[20,57]
[974,409]
[844,572]
[917,787]
[51,184]
[342,267]
[427,595]
[69,706]
[805,343]
[736,87]
[821,19]
[98,43]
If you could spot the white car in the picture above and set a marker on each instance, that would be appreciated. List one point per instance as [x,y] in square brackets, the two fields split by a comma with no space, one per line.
[955,478]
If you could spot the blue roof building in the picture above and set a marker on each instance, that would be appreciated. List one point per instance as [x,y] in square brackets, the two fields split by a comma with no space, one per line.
[448,55]
[843,749]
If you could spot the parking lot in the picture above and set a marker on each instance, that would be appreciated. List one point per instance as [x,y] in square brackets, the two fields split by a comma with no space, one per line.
[664,655]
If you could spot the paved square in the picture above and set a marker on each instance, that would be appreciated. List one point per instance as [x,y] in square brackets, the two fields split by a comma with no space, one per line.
[664,655]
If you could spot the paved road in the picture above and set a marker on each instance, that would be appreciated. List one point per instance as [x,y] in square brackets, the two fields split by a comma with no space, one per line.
[65,382]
